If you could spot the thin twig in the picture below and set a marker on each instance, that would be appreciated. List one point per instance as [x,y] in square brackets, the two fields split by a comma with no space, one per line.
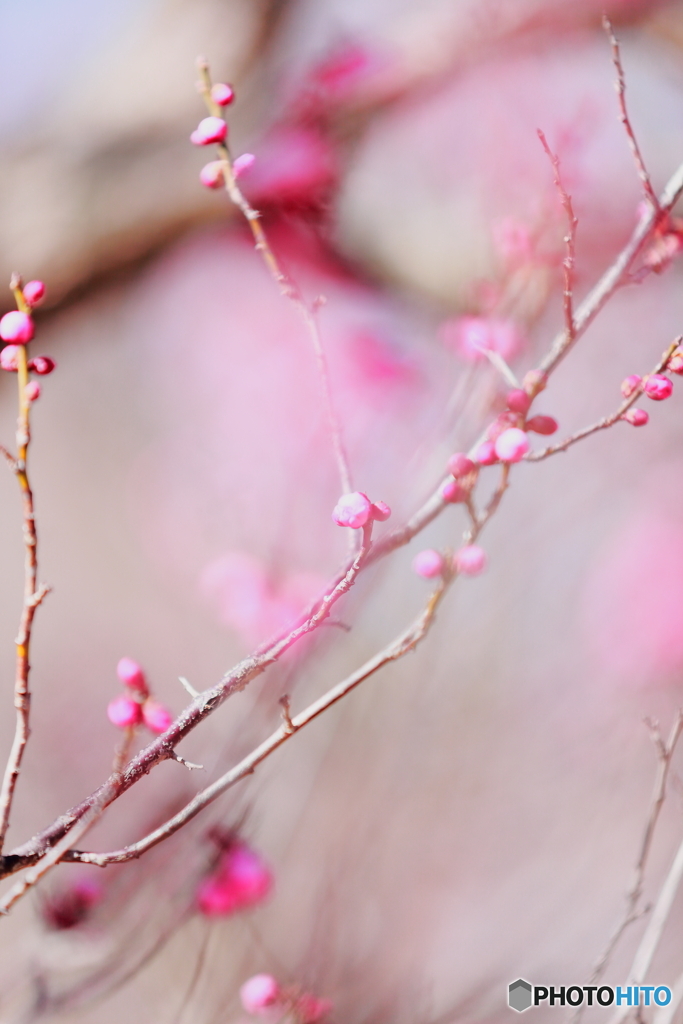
[620,86]
[569,239]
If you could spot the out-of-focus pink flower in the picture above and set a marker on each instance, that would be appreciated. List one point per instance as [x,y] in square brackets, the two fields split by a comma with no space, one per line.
[259,993]
[472,336]
[428,564]
[352,510]
[156,717]
[243,163]
[16,327]
[124,712]
[241,880]
[34,292]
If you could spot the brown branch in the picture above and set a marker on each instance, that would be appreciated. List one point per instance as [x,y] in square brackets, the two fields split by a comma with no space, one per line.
[606,421]
[569,239]
[620,86]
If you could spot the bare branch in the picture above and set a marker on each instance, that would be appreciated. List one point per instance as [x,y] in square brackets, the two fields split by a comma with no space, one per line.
[569,239]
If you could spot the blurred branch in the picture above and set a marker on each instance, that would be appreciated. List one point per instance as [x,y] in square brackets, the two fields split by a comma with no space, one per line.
[569,239]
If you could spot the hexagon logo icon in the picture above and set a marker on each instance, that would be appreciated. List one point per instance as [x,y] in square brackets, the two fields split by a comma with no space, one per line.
[519,995]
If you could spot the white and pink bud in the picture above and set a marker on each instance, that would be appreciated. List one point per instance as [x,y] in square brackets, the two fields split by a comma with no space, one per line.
[212,175]
[658,387]
[222,94]
[428,564]
[512,445]
[9,358]
[259,993]
[630,384]
[34,292]
[210,129]
[32,391]
[353,510]
[124,712]
[16,327]
[470,560]
[132,676]
[453,492]
[636,417]
[485,454]
[675,364]
[242,164]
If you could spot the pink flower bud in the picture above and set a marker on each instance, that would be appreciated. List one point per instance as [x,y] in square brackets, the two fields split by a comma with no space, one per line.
[241,880]
[42,365]
[518,401]
[32,391]
[460,465]
[352,510]
[542,425]
[485,454]
[428,564]
[470,560]
[34,292]
[452,492]
[259,992]
[243,163]
[676,362]
[380,511]
[535,381]
[156,717]
[210,129]
[658,387]
[131,675]
[636,417]
[9,358]
[512,445]
[629,385]
[213,175]
[124,712]
[16,326]
[222,94]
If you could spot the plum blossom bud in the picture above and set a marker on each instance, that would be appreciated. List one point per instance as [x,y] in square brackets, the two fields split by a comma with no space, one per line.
[352,510]
[32,391]
[156,717]
[518,401]
[210,129]
[212,175]
[34,292]
[676,362]
[124,712]
[131,675]
[629,385]
[42,365]
[535,381]
[259,993]
[512,445]
[222,94]
[9,358]
[542,425]
[657,387]
[16,326]
[428,564]
[636,417]
[470,560]
[241,880]
[380,511]
[485,454]
[242,163]
[460,465]
[452,492]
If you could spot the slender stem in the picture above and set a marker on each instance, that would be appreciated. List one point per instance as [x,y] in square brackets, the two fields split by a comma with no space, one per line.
[569,239]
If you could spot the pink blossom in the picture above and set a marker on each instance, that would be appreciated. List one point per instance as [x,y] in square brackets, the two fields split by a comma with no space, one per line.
[222,94]
[629,385]
[460,464]
[518,401]
[41,365]
[212,175]
[542,424]
[16,326]
[352,510]
[32,391]
[243,163]
[428,563]
[156,717]
[34,292]
[512,445]
[124,712]
[452,492]
[241,880]
[9,358]
[131,675]
[380,511]
[658,387]
[470,560]
[210,129]
[472,336]
[636,417]
[485,454]
[259,992]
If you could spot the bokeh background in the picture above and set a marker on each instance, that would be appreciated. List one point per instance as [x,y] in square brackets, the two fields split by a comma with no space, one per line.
[473,814]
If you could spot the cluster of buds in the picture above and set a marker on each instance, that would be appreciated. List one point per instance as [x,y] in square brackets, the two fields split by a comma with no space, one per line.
[214,130]
[17,329]
[356,510]
[507,437]
[656,386]
[241,879]
[263,996]
[136,707]
[469,560]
